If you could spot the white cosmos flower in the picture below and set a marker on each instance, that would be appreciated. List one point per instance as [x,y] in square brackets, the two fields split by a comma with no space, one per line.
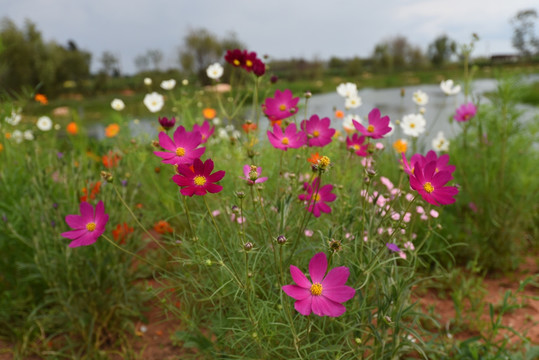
[215,71]
[147,81]
[168,84]
[420,98]
[17,136]
[449,88]
[154,101]
[347,123]
[347,90]
[117,104]
[413,124]
[185,82]
[440,143]
[28,135]
[15,117]
[44,123]
[352,102]
[222,133]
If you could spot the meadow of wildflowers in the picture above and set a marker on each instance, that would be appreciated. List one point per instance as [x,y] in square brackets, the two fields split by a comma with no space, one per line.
[279,234]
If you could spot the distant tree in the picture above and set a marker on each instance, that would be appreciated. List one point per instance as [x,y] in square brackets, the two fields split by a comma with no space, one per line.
[395,53]
[524,39]
[381,56]
[441,50]
[142,62]
[110,64]
[354,66]
[155,56]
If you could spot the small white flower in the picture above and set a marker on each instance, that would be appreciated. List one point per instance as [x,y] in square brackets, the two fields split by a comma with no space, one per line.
[422,110]
[449,88]
[154,101]
[420,98]
[168,84]
[347,90]
[147,81]
[347,123]
[352,102]
[15,118]
[216,121]
[57,127]
[440,143]
[117,104]
[44,123]
[413,124]
[17,136]
[185,82]
[28,135]
[215,71]
[230,128]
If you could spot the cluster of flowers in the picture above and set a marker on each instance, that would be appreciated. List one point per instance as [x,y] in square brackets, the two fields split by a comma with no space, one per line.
[246,60]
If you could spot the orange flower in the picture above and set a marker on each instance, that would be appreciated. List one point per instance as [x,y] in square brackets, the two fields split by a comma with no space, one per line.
[339,114]
[41,99]
[110,160]
[162,227]
[72,128]
[121,232]
[1,147]
[112,130]
[248,127]
[8,135]
[139,206]
[209,113]
[95,190]
[400,145]
[314,158]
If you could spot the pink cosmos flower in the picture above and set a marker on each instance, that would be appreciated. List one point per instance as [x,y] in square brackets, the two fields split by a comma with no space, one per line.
[316,197]
[441,162]
[291,138]
[465,112]
[87,226]
[318,131]
[378,126]
[430,184]
[198,180]
[204,130]
[252,174]
[281,106]
[357,145]
[324,294]
[183,149]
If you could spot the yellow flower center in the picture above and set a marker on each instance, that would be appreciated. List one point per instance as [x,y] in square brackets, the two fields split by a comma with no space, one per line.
[199,180]
[356,146]
[428,187]
[282,107]
[370,128]
[180,151]
[90,226]
[316,133]
[236,62]
[324,162]
[285,141]
[316,289]
[412,125]
[316,198]
[249,63]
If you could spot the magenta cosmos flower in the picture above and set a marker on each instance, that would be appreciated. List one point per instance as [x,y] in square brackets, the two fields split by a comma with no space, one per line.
[378,126]
[183,149]
[324,294]
[442,162]
[465,112]
[252,174]
[430,184]
[316,200]
[357,145]
[87,226]
[281,106]
[205,130]
[291,138]
[318,131]
[198,179]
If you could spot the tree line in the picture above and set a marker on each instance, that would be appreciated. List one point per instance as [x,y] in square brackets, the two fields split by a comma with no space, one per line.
[26,60]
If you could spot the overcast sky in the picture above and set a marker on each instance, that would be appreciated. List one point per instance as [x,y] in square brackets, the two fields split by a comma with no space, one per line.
[279,28]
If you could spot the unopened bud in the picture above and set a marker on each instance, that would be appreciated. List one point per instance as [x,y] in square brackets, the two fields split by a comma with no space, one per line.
[240,194]
[107,176]
[281,240]
[248,246]
[308,94]
[155,144]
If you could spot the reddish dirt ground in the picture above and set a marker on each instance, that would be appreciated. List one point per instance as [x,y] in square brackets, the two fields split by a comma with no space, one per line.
[152,341]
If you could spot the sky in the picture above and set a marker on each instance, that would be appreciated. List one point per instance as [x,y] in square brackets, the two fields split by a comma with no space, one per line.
[279,28]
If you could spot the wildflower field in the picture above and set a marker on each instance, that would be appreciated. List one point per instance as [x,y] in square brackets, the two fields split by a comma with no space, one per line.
[258,229]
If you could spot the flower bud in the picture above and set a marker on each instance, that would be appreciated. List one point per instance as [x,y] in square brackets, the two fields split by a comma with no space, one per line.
[281,240]
[240,194]
[106,176]
[248,246]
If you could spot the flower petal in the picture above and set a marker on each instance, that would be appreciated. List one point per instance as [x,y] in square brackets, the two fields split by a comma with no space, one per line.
[296,292]
[318,266]
[76,222]
[304,306]
[336,277]
[339,294]
[299,278]
[85,240]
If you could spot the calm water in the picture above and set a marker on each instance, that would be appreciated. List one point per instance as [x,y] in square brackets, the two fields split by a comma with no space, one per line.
[439,110]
